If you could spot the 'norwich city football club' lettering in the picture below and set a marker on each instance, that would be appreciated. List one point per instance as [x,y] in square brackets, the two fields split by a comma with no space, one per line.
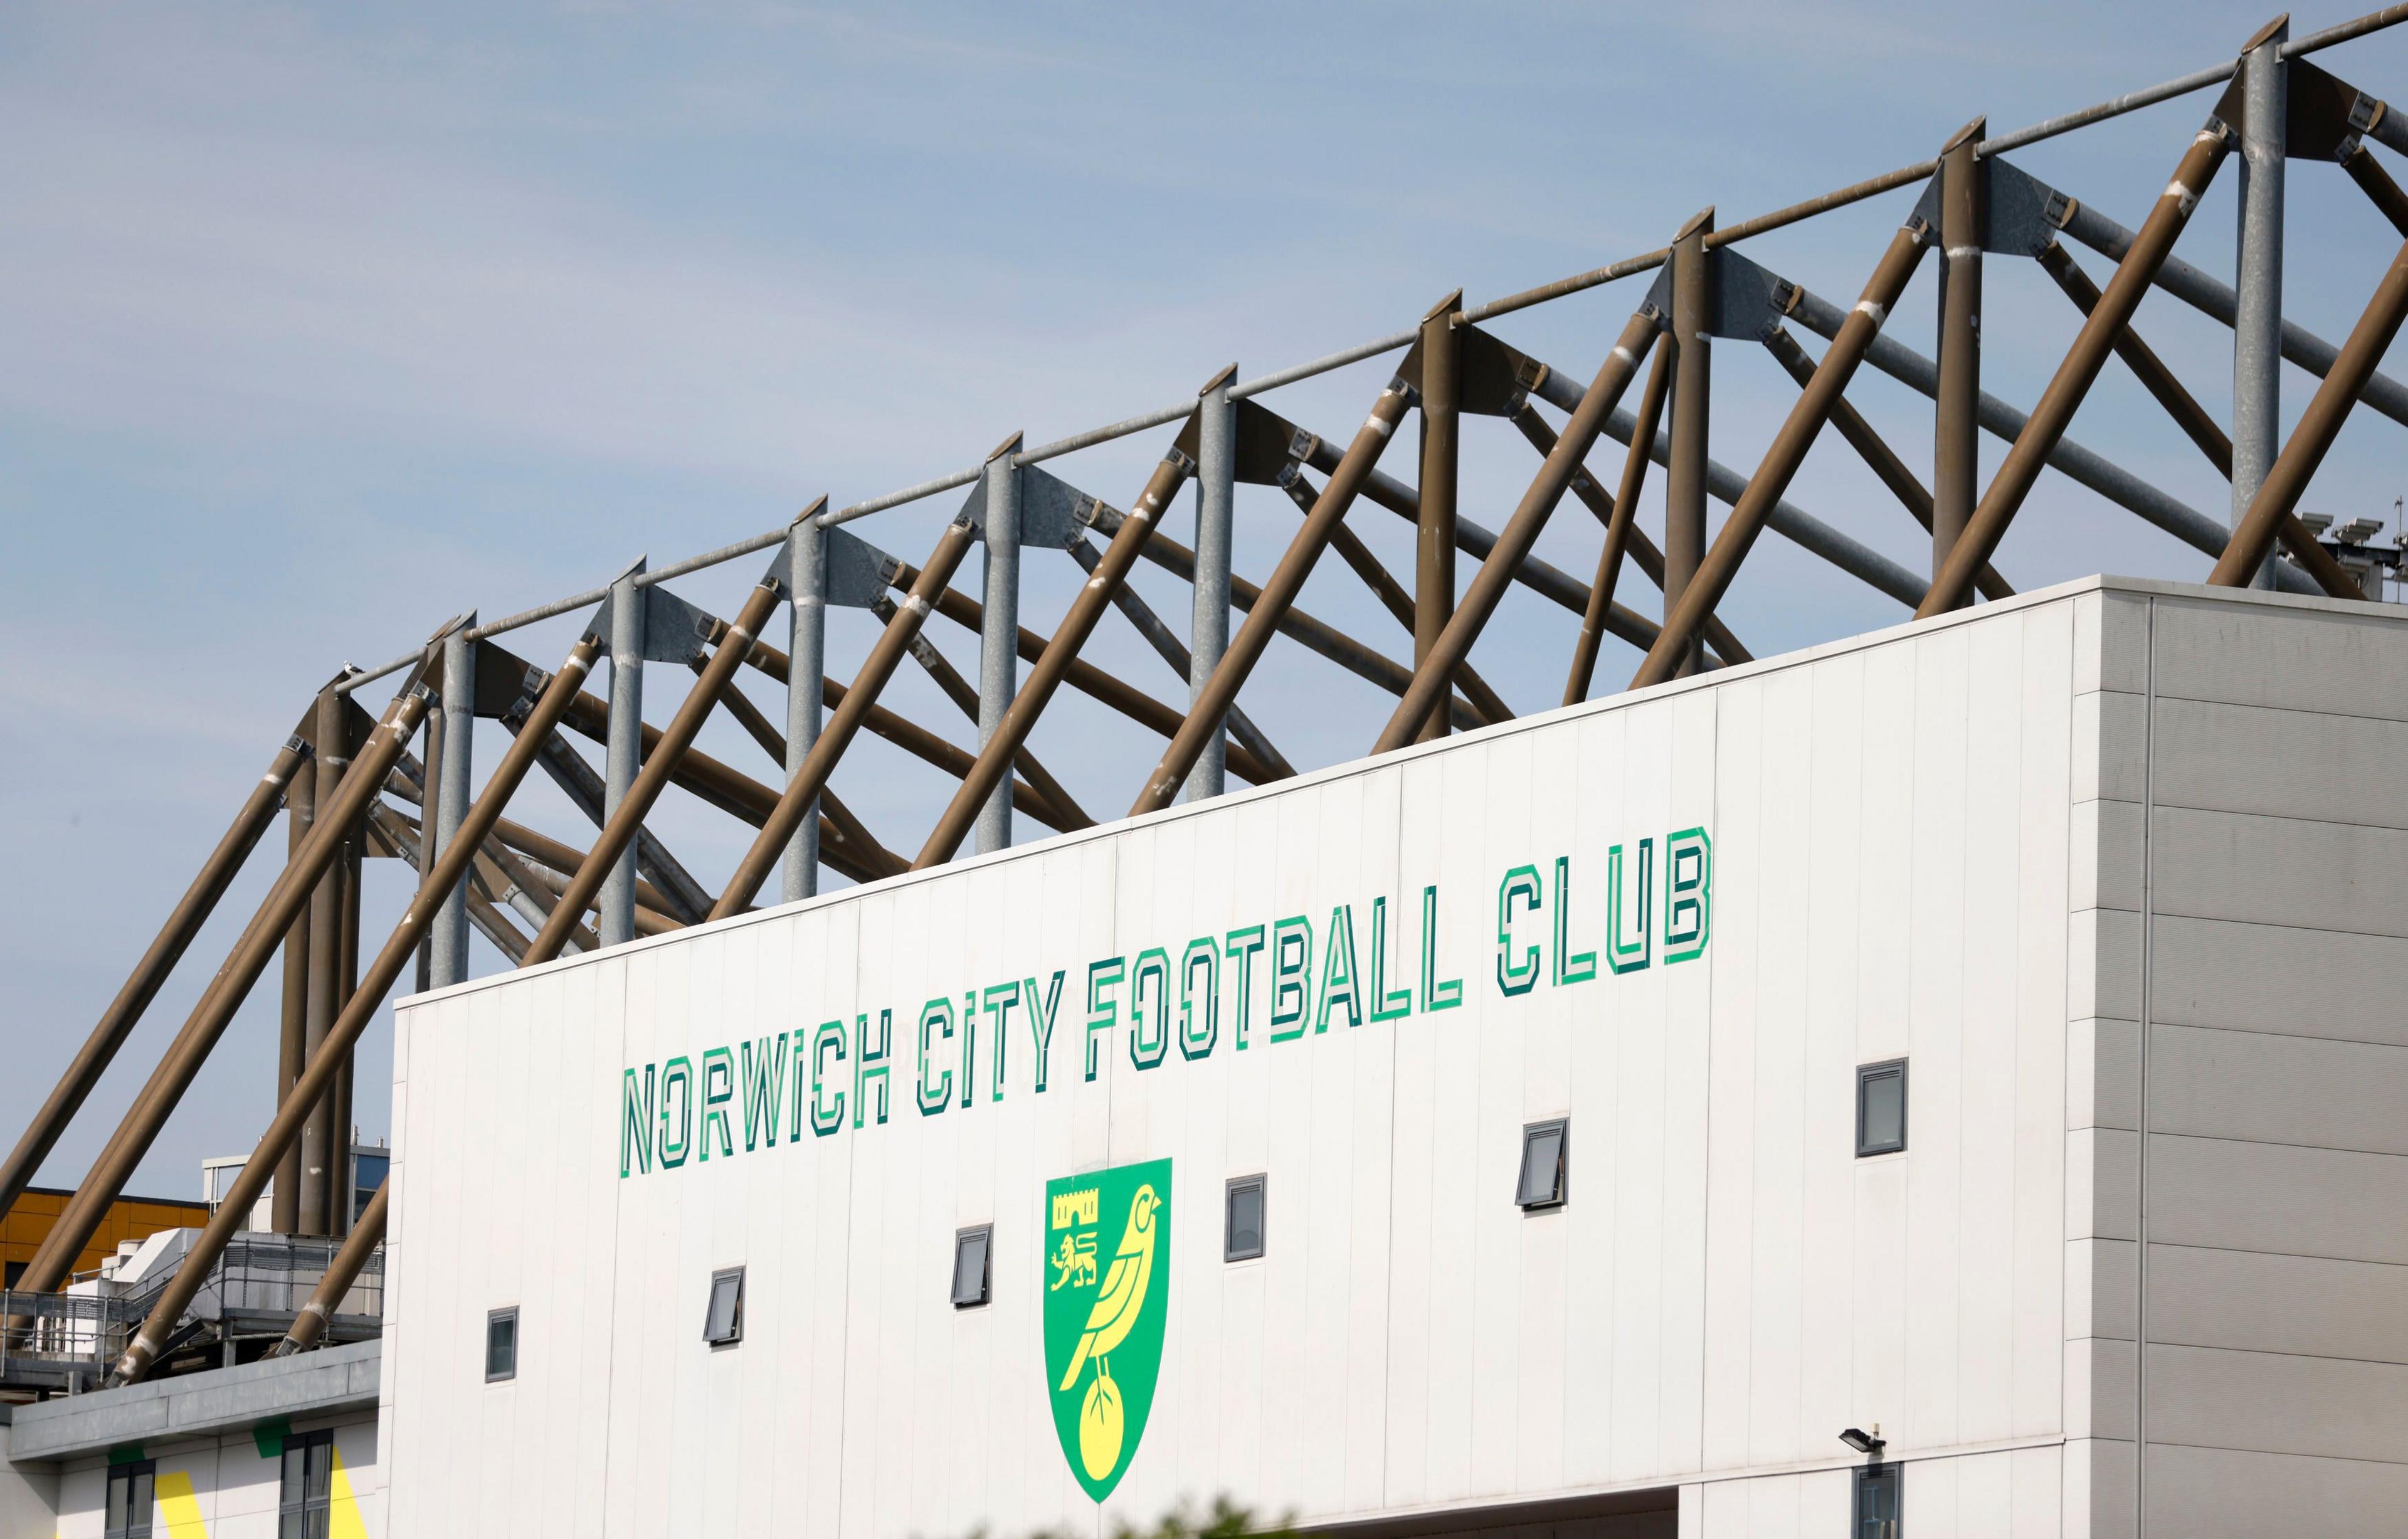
[1256,988]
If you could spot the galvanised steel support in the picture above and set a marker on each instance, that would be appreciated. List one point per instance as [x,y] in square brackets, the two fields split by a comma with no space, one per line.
[2195,422]
[104,1183]
[1278,597]
[807,651]
[449,872]
[2319,425]
[2055,409]
[2257,319]
[617,836]
[1956,441]
[999,636]
[1521,532]
[622,757]
[987,777]
[1682,617]
[1876,452]
[142,985]
[1216,502]
[680,895]
[885,656]
[293,1022]
[451,932]
[1619,526]
[1684,479]
[1442,435]
[308,1327]
[851,846]
[331,730]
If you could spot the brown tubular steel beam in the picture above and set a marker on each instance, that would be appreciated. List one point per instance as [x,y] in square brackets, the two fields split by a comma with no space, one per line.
[963,695]
[448,868]
[1441,411]
[845,841]
[2193,419]
[1314,635]
[1786,452]
[769,847]
[1521,532]
[1642,550]
[1957,434]
[142,985]
[1684,476]
[293,1022]
[106,1180]
[1557,586]
[1392,598]
[653,778]
[1086,677]
[912,739]
[2054,410]
[2318,426]
[2377,185]
[1272,606]
[1046,675]
[308,1327]
[1622,520]
[326,997]
[1172,650]
[1876,453]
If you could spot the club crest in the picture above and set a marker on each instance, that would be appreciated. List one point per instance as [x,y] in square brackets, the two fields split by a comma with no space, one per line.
[1106,1294]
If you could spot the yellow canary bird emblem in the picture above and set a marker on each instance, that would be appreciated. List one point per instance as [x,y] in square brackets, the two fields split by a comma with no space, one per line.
[1122,1297]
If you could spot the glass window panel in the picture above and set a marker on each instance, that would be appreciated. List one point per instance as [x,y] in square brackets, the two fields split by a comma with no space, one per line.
[969,1267]
[1542,1157]
[502,1344]
[1245,1220]
[727,1302]
[1881,1108]
[120,1487]
[321,1471]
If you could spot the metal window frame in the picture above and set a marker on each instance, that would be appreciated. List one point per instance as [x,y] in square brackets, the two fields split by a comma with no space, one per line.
[1894,1475]
[1261,1185]
[984,1234]
[736,1319]
[1865,1075]
[1562,1126]
[301,1504]
[138,1523]
[493,1319]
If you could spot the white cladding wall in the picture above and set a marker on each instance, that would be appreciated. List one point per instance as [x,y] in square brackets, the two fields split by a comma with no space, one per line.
[223,1486]
[1727,1288]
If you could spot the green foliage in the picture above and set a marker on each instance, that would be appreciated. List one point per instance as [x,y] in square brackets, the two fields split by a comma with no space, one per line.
[1227,1521]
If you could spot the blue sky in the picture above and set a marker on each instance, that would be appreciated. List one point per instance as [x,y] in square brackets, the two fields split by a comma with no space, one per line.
[324,324]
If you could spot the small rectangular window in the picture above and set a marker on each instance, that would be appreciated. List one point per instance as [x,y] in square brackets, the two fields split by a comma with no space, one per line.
[1879,1491]
[1543,1162]
[130,1499]
[723,1323]
[1881,1107]
[970,1265]
[1243,1241]
[305,1505]
[502,1344]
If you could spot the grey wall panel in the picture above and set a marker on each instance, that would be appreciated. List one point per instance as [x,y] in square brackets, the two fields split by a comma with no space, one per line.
[2278,1089]
[2275,871]
[2267,1197]
[2251,1302]
[2275,1403]
[2270,655]
[2229,1493]
[2303,764]
[2110,745]
[2305,983]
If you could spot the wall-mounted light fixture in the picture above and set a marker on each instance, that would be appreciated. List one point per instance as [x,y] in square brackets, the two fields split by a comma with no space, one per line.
[1869,1444]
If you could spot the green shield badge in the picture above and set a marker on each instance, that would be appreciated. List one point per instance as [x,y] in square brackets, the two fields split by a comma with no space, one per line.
[1106,1294]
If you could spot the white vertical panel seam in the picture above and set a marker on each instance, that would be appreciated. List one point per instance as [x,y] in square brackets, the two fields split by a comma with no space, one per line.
[2141,1200]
